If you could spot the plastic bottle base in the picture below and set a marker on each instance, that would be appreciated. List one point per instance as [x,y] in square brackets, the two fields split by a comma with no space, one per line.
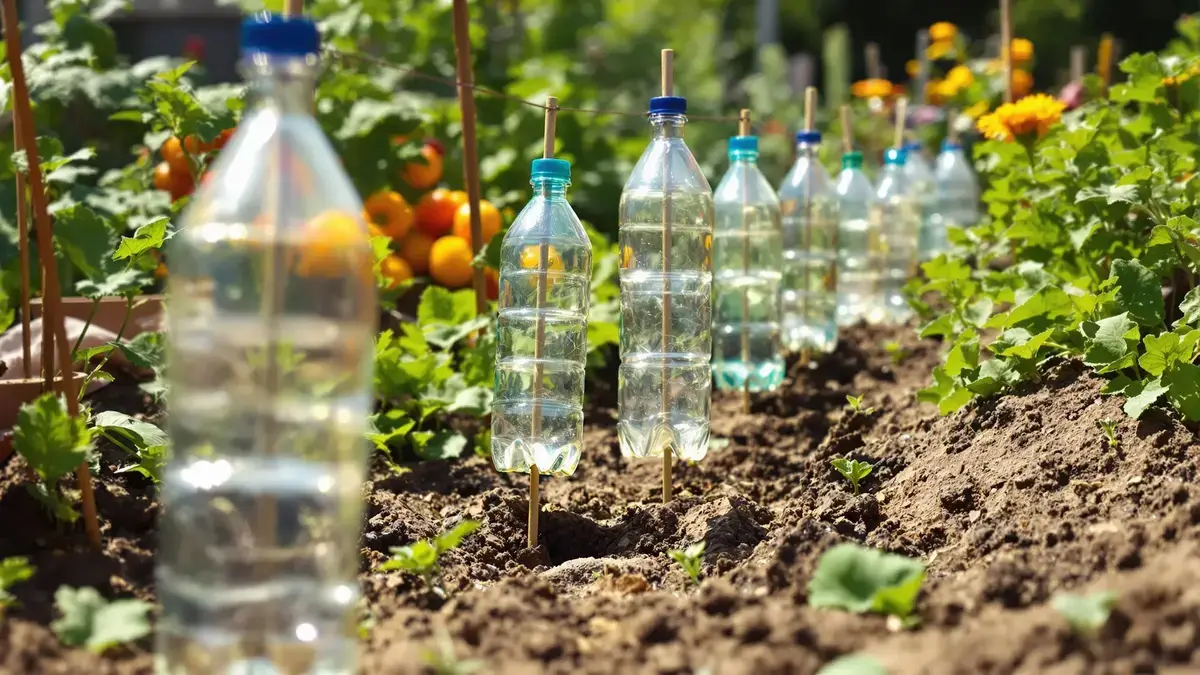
[517,455]
[688,442]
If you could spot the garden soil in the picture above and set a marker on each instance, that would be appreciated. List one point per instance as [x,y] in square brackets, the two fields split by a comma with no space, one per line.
[1008,503]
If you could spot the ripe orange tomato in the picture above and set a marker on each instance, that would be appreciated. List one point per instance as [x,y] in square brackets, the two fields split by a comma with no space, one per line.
[223,139]
[531,259]
[415,249]
[336,244]
[395,270]
[435,212]
[388,210]
[489,220]
[172,152]
[424,175]
[450,262]
[167,179]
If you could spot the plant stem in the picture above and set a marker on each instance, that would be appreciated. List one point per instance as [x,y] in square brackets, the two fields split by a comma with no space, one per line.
[124,323]
[86,326]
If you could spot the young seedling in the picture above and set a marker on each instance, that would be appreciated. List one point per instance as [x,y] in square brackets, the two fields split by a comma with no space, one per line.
[689,559]
[857,407]
[853,470]
[444,661]
[858,579]
[422,558]
[53,443]
[1109,427]
[88,620]
[12,571]
[1086,614]
[897,352]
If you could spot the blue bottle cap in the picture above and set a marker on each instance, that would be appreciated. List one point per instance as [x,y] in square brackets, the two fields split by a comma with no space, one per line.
[668,105]
[895,156]
[551,168]
[267,33]
[743,145]
[950,146]
[809,137]
[913,146]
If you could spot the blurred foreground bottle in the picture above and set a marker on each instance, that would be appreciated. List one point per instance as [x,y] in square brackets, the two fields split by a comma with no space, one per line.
[859,262]
[896,217]
[746,263]
[666,227]
[810,234]
[541,345]
[272,317]
[957,191]
[923,189]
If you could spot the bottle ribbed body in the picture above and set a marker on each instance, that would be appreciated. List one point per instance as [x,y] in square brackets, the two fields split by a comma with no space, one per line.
[957,191]
[666,228]
[895,215]
[747,256]
[541,336]
[931,236]
[811,210]
[271,317]
[859,273]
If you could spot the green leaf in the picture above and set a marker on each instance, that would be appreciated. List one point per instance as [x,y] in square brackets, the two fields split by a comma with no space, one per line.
[1142,395]
[1086,614]
[444,444]
[995,375]
[143,433]
[1190,308]
[88,620]
[963,355]
[1139,292]
[1111,343]
[1183,383]
[858,579]
[1163,351]
[1026,348]
[943,325]
[450,540]
[388,427]
[13,571]
[474,400]
[50,440]
[144,351]
[147,237]
[127,283]
[1111,194]
[855,664]
[85,238]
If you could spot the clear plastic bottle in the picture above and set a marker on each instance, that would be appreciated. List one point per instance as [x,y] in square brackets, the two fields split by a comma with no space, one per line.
[746,268]
[923,189]
[895,215]
[957,191]
[664,388]
[810,244]
[858,246]
[272,318]
[537,416]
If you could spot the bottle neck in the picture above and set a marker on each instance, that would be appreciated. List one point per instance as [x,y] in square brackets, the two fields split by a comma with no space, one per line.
[806,149]
[285,83]
[667,125]
[549,188]
[745,158]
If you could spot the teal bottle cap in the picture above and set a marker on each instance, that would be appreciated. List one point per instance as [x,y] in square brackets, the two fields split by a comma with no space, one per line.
[743,145]
[895,156]
[852,160]
[551,168]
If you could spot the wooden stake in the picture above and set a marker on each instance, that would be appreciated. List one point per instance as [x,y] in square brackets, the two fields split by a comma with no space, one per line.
[847,130]
[1104,59]
[810,108]
[951,127]
[466,102]
[871,53]
[293,8]
[668,89]
[744,130]
[1078,61]
[1006,48]
[23,255]
[539,340]
[901,119]
[810,112]
[52,317]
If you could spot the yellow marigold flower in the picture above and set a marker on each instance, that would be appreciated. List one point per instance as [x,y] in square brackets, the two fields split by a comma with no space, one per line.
[960,76]
[912,67]
[1022,50]
[976,111]
[1032,115]
[1022,82]
[939,49]
[875,88]
[942,31]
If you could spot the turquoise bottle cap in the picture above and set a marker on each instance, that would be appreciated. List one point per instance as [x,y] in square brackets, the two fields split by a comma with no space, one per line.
[949,145]
[551,168]
[852,160]
[895,156]
[742,145]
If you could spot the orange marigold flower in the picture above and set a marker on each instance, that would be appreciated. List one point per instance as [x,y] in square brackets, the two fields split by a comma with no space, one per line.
[939,49]
[1022,82]
[1030,116]
[1022,50]
[942,31]
[873,88]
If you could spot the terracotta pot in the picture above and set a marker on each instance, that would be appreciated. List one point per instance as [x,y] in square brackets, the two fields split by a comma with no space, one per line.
[17,392]
[145,317]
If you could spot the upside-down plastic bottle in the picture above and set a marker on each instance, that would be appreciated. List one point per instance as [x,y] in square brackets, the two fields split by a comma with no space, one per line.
[859,263]
[666,227]
[957,189]
[810,245]
[746,263]
[272,315]
[923,189]
[896,217]
[541,331]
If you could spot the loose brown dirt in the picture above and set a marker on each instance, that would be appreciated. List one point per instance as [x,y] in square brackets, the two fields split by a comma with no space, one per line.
[1007,503]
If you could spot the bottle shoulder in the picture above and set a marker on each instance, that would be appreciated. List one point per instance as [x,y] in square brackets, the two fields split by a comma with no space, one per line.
[667,165]
[745,184]
[546,219]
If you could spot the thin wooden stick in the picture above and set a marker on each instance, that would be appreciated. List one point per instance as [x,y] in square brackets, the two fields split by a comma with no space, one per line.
[52,316]
[871,53]
[1006,48]
[466,102]
[901,119]
[1078,62]
[1104,59]
[668,89]
[744,130]
[539,343]
[810,108]
[951,127]
[810,112]
[293,8]
[847,131]
[23,255]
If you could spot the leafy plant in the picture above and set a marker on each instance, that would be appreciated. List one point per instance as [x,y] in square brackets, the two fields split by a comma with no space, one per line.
[856,406]
[897,352]
[690,559]
[1086,614]
[54,444]
[423,557]
[88,620]
[13,571]
[145,442]
[853,470]
[858,579]
[1109,429]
